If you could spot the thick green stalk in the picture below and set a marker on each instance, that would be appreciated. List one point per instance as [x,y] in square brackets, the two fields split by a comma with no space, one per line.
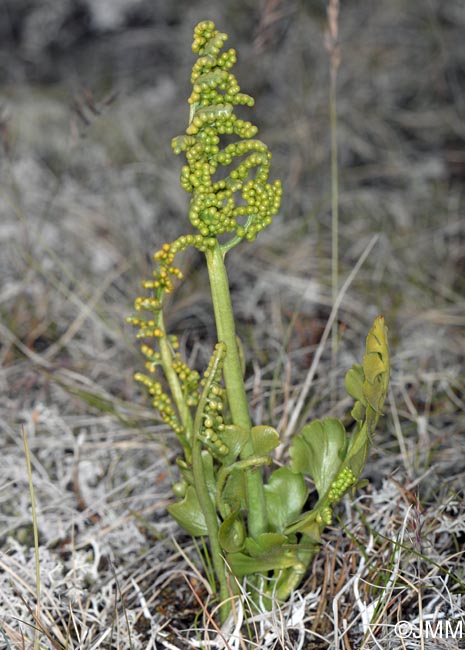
[234,382]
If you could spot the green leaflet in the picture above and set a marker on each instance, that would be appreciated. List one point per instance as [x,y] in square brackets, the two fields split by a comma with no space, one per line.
[234,492]
[359,447]
[264,439]
[377,341]
[319,451]
[235,438]
[189,515]
[368,383]
[354,382]
[372,380]
[358,413]
[285,495]
[188,512]
[231,534]
[376,367]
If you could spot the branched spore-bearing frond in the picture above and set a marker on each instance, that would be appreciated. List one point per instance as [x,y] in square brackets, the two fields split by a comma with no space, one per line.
[151,326]
[243,202]
[240,203]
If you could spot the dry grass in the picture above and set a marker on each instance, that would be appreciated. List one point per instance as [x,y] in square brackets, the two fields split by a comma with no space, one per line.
[84,205]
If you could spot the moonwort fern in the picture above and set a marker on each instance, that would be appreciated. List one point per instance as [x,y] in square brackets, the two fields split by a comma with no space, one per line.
[257,521]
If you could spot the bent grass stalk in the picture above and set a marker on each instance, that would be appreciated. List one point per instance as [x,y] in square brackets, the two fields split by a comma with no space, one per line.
[35,529]
[333,48]
[257,522]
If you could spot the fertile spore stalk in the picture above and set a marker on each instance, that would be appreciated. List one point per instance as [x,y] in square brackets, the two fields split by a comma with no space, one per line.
[256,528]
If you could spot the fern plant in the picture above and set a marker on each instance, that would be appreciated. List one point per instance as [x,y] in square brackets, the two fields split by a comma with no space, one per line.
[257,521]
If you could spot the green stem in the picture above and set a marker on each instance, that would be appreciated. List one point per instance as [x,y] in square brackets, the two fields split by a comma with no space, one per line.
[234,382]
[175,386]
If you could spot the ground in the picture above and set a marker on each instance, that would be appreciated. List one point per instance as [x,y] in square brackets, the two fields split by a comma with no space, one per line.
[92,94]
